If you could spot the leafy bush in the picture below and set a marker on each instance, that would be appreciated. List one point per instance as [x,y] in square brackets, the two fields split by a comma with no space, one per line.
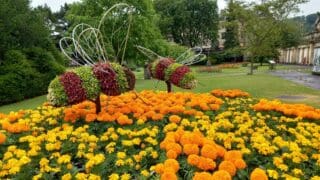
[20,79]
[23,78]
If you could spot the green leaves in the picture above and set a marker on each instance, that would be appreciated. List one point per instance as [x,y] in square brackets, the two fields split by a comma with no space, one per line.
[89,82]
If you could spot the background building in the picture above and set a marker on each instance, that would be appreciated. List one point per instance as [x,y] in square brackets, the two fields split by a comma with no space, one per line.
[306,52]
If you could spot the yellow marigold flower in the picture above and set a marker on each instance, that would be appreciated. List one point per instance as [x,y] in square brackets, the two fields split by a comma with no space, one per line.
[273,174]
[7,155]
[81,146]
[283,167]
[114,176]
[64,159]
[127,143]
[81,176]
[120,162]
[14,170]
[136,141]
[36,177]
[297,172]
[125,176]
[145,173]
[277,161]
[154,154]
[129,162]
[114,136]
[94,177]
[315,178]
[121,155]
[140,121]
[69,166]
[66,177]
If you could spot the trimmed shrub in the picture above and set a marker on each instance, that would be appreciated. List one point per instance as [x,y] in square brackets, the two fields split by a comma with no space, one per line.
[23,78]
[20,80]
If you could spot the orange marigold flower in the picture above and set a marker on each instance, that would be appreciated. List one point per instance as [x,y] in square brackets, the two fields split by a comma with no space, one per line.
[171,154]
[159,168]
[189,149]
[206,164]
[209,151]
[221,175]
[175,119]
[174,164]
[202,176]
[258,174]
[229,167]
[220,150]
[214,106]
[90,117]
[124,120]
[193,159]
[2,138]
[240,163]
[186,138]
[175,147]
[232,155]
[191,138]
[169,176]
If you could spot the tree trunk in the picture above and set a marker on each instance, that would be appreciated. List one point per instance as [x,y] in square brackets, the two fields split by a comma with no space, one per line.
[98,105]
[251,68]
[169,86]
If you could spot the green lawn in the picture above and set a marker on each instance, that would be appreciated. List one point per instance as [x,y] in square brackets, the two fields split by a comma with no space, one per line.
[260,85]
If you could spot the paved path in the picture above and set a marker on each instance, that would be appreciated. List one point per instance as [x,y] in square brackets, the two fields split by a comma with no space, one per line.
[298,77]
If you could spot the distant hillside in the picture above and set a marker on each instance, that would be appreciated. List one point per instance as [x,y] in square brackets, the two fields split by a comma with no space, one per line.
[307,21]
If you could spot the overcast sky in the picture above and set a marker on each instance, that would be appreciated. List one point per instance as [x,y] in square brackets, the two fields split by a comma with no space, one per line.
[311,7]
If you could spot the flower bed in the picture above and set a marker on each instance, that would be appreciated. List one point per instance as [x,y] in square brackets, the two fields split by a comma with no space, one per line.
[152,135]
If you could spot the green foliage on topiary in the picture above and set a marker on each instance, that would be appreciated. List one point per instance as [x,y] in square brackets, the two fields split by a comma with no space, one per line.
[154,66]
[56,94]
[121,77]
[89,82]
[172,67]
[189,81]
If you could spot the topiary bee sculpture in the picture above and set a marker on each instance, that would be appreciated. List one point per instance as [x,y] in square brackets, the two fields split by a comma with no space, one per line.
[173,71]
[96,74]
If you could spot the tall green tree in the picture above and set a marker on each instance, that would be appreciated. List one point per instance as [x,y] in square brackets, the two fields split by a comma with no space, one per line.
[189,22]
[28,59]
[263,25]
[232,30]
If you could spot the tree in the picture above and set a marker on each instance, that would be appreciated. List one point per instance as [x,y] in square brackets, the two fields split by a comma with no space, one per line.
[263,25]
[189,22]
[231,25]
[28,59]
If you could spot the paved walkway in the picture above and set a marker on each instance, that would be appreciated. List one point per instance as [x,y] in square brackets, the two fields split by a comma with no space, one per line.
[299,77]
